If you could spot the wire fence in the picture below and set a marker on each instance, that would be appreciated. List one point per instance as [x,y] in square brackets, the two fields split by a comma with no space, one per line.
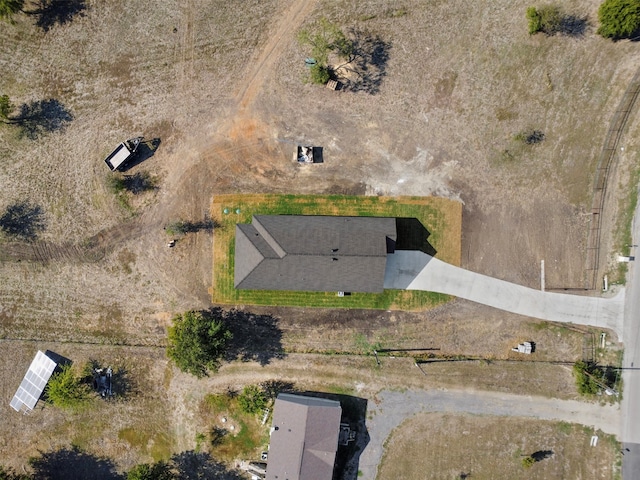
[593,263]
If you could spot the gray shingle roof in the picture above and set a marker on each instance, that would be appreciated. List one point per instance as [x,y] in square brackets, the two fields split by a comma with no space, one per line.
[304,438]
[313,253]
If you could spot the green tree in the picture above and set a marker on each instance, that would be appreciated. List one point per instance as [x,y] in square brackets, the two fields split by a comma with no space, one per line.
[325,37]
[619,18]
[155,471]
[527,462]
[585,382]
[252,399]
[67,391]
[197,342]
[546,19]
[8,8]
[6,107]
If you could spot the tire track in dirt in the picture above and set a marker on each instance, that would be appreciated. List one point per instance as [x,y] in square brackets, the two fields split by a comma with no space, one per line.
[254,78]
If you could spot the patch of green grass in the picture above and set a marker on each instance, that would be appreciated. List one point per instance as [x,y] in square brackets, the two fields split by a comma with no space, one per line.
[241,436]
[156,444]
[441,217]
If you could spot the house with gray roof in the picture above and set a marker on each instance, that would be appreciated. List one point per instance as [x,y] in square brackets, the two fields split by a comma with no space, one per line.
[304,438]
[313,253]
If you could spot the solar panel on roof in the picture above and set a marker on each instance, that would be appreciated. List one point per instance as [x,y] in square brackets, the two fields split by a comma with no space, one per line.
[33,383]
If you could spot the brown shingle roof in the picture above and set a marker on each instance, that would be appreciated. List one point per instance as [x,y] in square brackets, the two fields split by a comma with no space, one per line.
[313,253]
[304,438]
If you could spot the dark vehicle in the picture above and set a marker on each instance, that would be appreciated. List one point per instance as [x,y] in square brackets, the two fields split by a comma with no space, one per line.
[102,381]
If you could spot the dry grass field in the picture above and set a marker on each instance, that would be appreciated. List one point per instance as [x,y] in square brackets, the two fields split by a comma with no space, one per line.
[449,446]
[220,85]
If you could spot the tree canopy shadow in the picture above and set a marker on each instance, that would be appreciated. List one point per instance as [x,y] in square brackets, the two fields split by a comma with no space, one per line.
[573,25]
[51,12]
[255,337]
[541,455]
[23,220]
[145,151]
[41,116]
[72,462]
[139,182]
[367,64]
[192,465]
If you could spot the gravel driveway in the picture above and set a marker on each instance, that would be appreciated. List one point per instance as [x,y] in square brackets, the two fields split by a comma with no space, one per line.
[391,408]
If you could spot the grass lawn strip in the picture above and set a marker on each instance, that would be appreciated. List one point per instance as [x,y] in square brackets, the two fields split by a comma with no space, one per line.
[441,217]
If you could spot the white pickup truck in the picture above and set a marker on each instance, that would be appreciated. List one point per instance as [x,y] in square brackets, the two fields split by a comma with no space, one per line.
[122,154]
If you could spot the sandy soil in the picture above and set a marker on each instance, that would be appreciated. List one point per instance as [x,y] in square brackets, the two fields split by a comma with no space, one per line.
[221,84]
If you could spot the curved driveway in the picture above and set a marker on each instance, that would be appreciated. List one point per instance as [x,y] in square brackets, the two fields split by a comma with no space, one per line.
[391,408]
[412,270]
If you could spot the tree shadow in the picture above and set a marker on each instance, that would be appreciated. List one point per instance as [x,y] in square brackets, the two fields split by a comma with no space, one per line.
[23,220]
[412,235]
[51,12]
[72,462]
[573,25]
[192,465]
[139,182]
[541,455]
[354,415]
[145,151]
[367,64]
[182,227]
[41,116]
[255,337]
[273,388]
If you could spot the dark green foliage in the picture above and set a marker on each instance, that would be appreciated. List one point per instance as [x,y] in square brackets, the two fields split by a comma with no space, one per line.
[319,74]
[252,399]
[546,19]
[155,471]
[527,462]
[584,373]
[8,8]
[197,342]
[619,18]
[67,391]
[6,107]
[325,37]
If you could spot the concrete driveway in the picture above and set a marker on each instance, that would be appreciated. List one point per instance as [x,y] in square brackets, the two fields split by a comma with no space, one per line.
[412,270]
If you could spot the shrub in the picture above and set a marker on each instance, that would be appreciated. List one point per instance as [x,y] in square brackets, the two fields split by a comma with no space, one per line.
[156,471]
[67,391]
[584,378]
[527,462]
[619,18]
[546,19]
[320,74]
[252,399]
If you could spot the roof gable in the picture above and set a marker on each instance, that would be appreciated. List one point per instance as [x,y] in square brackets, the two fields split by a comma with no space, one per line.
[313,253]
[304,438]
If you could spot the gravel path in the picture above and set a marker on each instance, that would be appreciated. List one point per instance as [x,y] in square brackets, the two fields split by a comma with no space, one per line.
[391,408]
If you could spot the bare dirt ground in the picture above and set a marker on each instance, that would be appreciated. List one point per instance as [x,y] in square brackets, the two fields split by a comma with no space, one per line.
[221,84]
